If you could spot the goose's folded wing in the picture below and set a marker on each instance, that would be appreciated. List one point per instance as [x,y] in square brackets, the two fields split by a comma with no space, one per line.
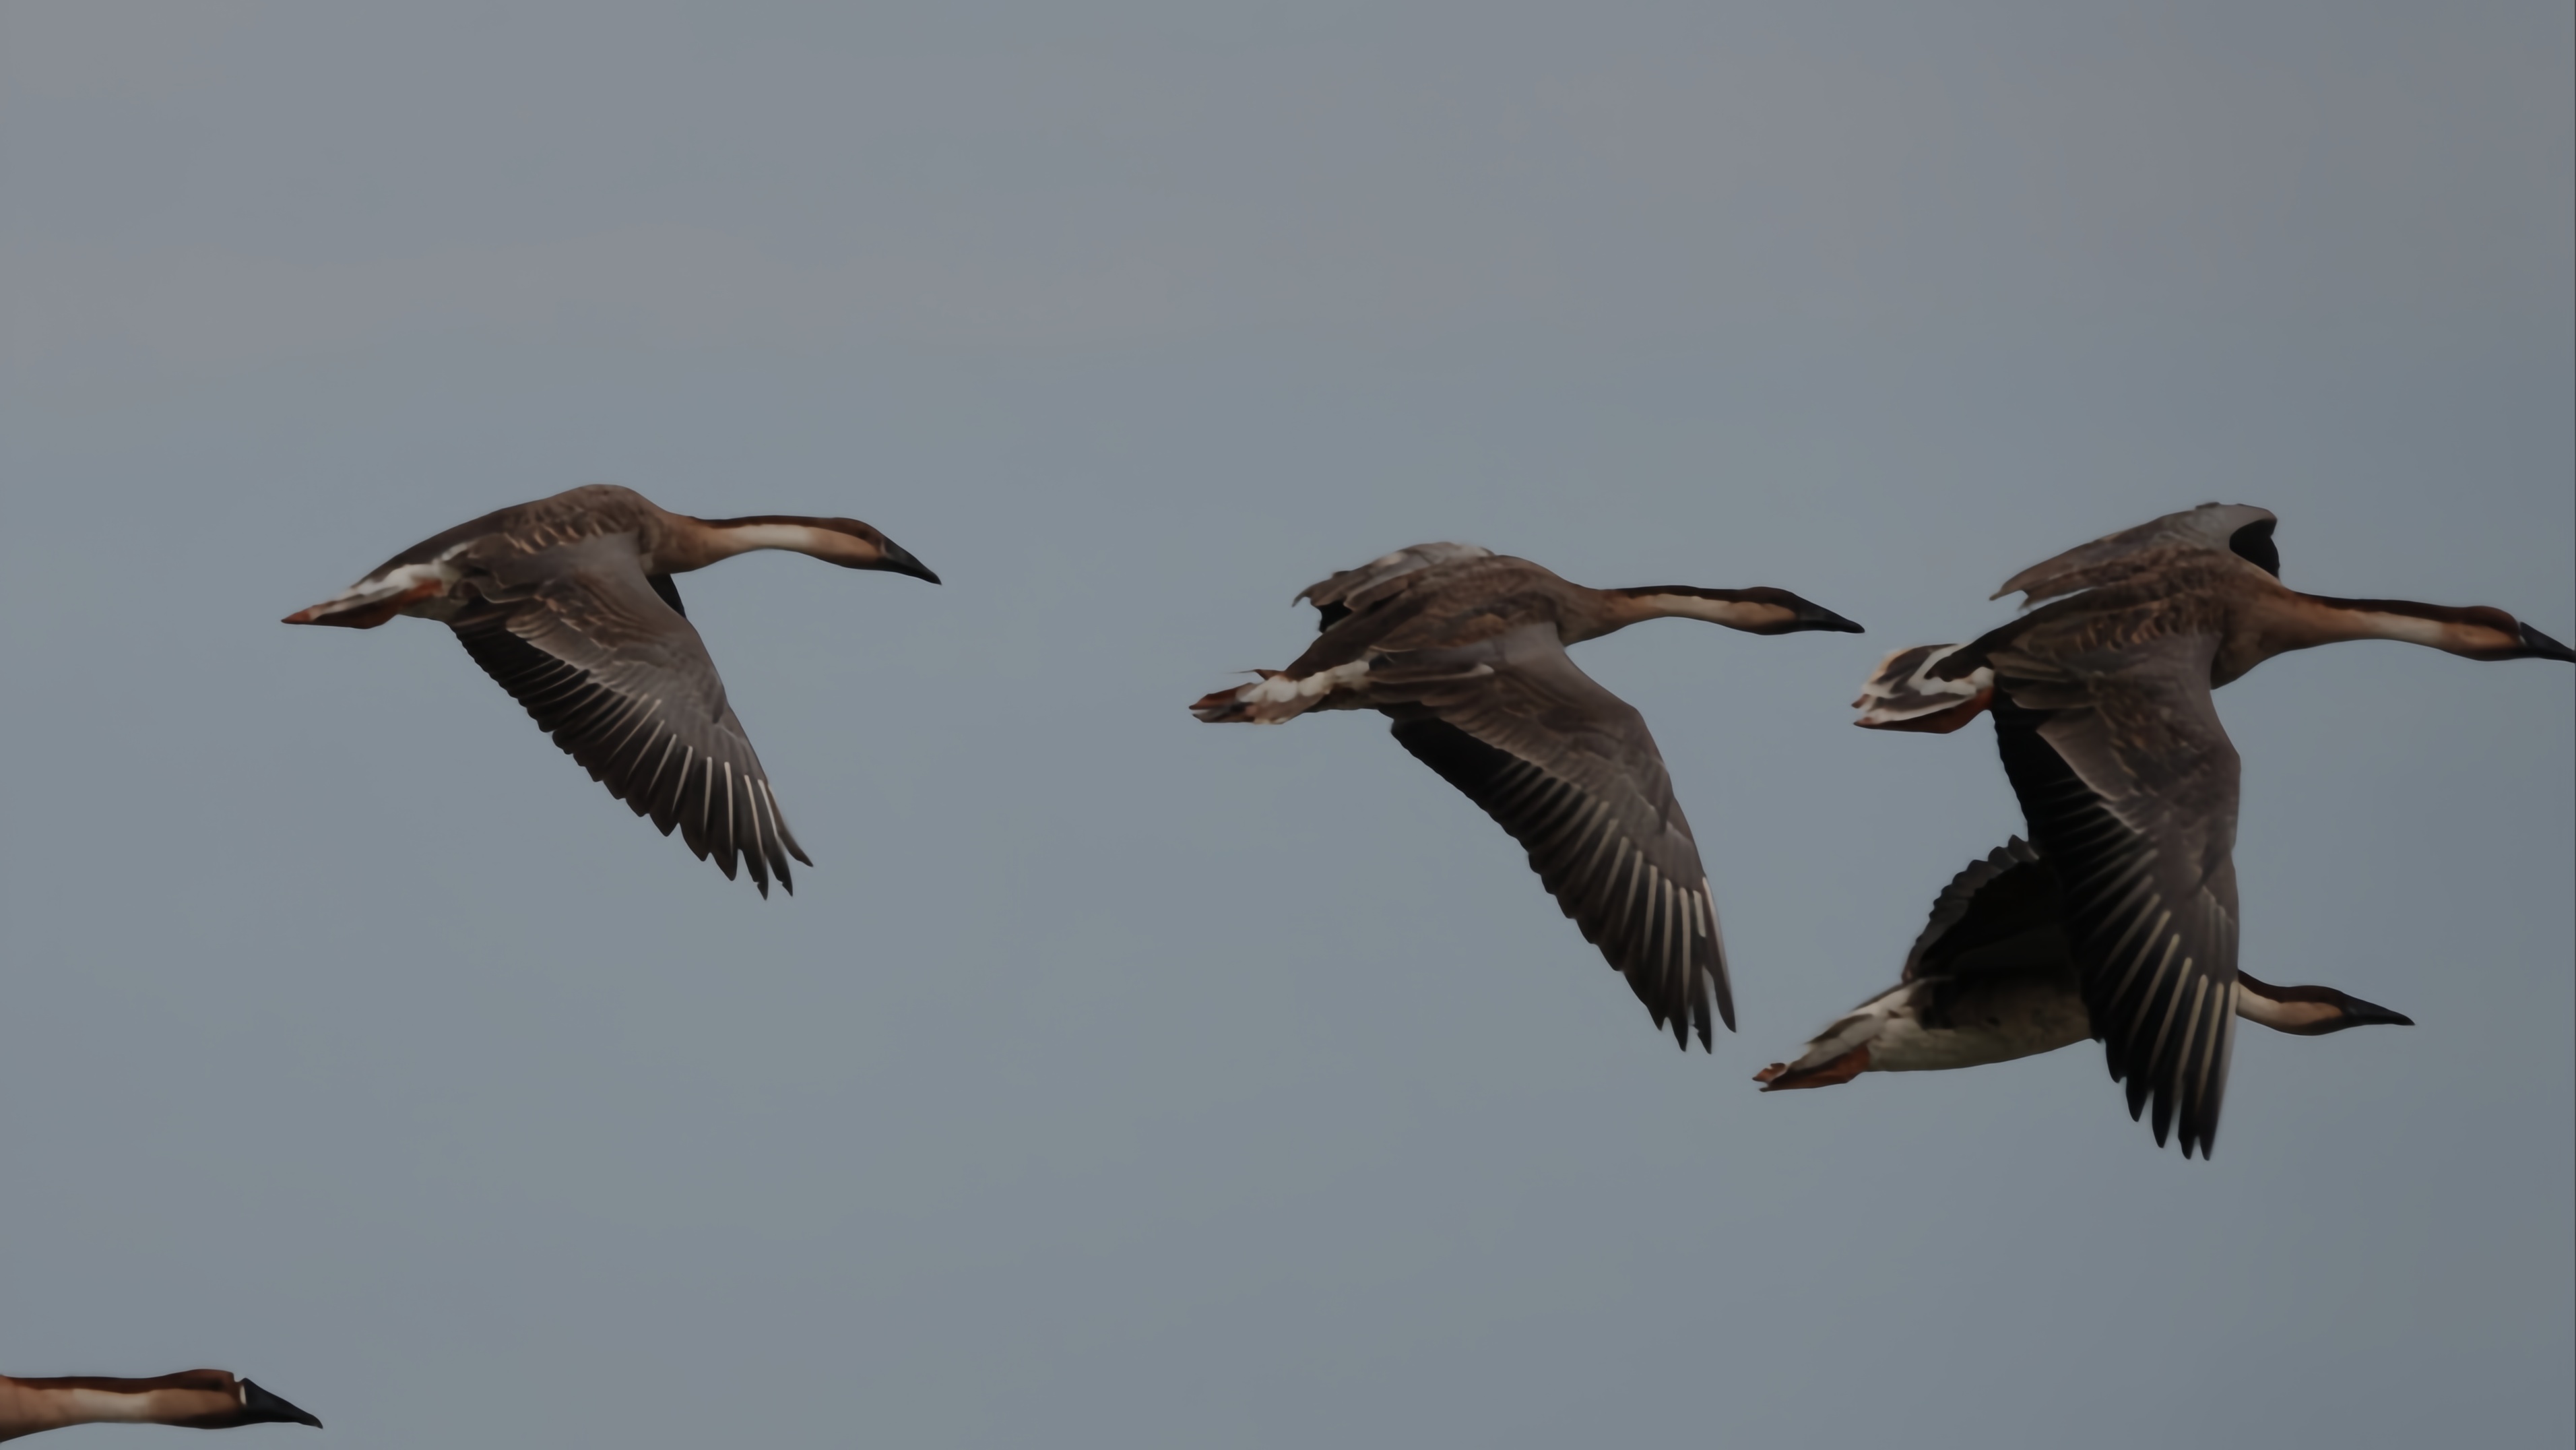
[625,686]
[1351,590]
[2130,787]
[1570,771]
[2241,530]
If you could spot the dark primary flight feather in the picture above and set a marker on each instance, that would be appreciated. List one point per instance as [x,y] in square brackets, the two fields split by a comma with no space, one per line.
[553,599]
[1570,771]
[625,686]
[1966,913]
[1999,918]
[1465,651]
[2130,785]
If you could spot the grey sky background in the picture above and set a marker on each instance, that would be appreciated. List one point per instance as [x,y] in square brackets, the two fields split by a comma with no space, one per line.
[1113,1080]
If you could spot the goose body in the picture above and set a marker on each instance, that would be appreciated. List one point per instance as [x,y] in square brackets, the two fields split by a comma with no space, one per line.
[2101,697]
[1993,977]
[569,604]
[1465,651]
[200,1399]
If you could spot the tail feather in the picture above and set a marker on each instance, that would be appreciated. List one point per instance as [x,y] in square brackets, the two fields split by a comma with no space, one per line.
[1905,693]
[1277,696]
[373,600]
[1840,1052]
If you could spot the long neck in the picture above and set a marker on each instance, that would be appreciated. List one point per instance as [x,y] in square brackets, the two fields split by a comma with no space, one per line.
[1755,610]
[695,543]
[2303,621]
[30,1405]
[2308,1011]
[2301,1010]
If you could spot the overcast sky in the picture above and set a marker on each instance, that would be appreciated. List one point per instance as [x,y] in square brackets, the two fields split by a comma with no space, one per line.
[1116,1080]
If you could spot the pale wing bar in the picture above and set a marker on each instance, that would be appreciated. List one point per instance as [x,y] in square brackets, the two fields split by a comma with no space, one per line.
[706,782]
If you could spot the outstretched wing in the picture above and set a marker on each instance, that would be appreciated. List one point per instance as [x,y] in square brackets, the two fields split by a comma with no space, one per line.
[621,680]
[1570,771]
[2130,787]
[1995,915]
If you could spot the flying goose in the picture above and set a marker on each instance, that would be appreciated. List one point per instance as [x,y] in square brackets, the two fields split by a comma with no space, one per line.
[1992,978]
[1465,650]
[568,603]
[200,1399]
[2110,737]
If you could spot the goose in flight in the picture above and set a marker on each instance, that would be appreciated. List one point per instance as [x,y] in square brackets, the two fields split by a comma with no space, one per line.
[568,603]
[2104,718]
[1992,978]
[199,1399]
[1464,650]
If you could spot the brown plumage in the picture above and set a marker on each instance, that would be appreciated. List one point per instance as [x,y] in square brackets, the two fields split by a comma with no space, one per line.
[1993,977]
[198,1399]
[1465,651]
[568,603]
[2108,731]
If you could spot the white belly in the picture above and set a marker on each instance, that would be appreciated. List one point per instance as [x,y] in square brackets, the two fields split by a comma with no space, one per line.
[2021,1018]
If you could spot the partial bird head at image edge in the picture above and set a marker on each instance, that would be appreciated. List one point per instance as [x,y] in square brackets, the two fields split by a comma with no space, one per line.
[196,1399]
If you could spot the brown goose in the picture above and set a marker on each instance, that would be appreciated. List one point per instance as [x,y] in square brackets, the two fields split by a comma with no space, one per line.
[2108,732]
[1992,978]
[199,1399]
[568,602]
[1465,650]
